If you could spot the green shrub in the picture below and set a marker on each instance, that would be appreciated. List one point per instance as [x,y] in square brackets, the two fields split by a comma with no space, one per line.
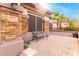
[71,29]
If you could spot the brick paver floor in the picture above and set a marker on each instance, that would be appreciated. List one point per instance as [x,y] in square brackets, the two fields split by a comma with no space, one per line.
[56,45]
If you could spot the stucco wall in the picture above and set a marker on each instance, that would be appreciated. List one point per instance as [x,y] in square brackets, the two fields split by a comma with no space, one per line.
[20,8]
[6,4]
[64,24]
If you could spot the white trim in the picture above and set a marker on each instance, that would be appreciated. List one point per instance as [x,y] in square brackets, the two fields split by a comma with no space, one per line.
[32,13]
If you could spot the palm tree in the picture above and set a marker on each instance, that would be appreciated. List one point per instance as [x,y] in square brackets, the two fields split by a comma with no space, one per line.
[59,18]
[62,18]
[55,16]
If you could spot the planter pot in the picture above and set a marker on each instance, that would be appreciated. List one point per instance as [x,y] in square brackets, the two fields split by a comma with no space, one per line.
[78,34]
[75,34]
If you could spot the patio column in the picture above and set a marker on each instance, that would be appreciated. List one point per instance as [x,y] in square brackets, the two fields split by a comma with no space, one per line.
[36,23]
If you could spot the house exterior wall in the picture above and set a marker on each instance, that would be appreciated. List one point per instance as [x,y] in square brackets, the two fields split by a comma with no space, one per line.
[50,25]
[36,13]
[12,20]
[6,4]
[19,18]
[64,24]
[46,24]
[54,24]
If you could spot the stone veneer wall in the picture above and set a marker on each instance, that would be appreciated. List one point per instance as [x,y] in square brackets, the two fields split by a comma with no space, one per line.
[46,26]
[12,24]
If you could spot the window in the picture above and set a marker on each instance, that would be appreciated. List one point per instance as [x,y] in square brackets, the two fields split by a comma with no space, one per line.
[31,23]
[39,24]
[34,23]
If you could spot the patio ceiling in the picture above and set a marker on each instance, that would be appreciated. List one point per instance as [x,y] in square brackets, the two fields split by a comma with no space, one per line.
[34,7]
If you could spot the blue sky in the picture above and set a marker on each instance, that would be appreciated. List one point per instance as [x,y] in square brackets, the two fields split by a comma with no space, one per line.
[70,10]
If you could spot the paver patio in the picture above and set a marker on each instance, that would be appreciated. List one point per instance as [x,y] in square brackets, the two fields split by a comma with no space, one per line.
[56,45]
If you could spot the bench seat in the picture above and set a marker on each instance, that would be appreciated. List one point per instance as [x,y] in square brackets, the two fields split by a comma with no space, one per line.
[39,34]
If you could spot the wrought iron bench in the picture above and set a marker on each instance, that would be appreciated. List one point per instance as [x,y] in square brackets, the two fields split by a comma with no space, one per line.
[38,34]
